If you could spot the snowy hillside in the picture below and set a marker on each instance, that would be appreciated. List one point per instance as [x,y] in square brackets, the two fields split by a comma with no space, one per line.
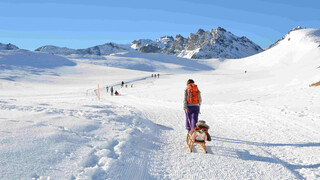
[216,43]
[16,64]
[104,49]
[284,37]
[145,62]
[8,46]
[56,50]
[296,58]
[32,59]
[61,123]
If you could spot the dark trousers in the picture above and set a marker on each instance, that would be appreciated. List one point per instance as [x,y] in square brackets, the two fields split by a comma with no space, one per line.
[192,114]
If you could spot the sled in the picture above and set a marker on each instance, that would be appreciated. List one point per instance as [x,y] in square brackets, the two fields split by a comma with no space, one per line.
[195,137]
[198,135]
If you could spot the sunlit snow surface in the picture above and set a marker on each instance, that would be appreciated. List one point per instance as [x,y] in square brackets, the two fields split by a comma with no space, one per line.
[265,124]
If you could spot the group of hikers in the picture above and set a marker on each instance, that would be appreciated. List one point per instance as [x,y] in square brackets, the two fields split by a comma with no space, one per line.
[155,75]
[115,91]
[124,85]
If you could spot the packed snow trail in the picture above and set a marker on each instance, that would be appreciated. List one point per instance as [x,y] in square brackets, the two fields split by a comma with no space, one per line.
[249,141]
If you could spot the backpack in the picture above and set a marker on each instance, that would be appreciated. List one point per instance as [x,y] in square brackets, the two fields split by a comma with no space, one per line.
[193,96]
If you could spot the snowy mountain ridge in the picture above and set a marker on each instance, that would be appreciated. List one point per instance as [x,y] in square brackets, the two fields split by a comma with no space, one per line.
[8,46]
[104,49]
[216,43]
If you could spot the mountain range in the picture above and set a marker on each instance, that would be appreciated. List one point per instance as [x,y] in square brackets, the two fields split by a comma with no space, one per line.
[215,43]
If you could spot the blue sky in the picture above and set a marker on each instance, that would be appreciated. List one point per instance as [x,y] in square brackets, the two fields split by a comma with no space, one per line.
[30,24]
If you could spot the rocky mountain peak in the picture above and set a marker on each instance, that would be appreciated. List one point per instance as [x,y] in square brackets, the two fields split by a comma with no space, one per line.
[222,30]
[296,28]
[200,32]
[167,40]
[216,43]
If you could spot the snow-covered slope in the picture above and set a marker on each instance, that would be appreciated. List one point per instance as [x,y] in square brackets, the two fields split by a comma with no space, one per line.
[284,37]
[296,57]
[8,46]
[216,43]
[104,49]
[264,123]
[32,59]
[145,62]
[15,64]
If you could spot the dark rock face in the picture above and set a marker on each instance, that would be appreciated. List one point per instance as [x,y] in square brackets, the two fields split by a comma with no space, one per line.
[149,48]
[178,45]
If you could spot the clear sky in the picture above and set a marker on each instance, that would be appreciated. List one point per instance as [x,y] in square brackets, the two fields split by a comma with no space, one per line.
[30,24]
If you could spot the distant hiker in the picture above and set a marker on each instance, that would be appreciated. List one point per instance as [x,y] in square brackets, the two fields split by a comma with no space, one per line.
[131,85]
[191,104]
[158,75]
[126,85]
[107,88]
[151,75]
[245,72]
[122,83]
[111,90]
[116,93]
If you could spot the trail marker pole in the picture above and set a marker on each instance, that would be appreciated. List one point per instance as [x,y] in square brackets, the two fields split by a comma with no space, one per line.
[98,92]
